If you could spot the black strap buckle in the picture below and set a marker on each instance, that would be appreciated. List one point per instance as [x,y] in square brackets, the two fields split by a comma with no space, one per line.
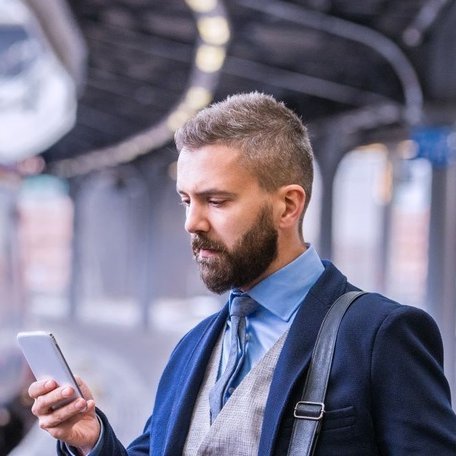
[306,410]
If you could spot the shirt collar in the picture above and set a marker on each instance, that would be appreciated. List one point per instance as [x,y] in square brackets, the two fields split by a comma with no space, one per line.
[283,291]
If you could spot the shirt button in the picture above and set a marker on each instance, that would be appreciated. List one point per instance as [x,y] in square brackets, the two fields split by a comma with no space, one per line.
[230,391]
[247,337]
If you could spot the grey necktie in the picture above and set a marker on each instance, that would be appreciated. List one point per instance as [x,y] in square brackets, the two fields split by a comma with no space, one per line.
[241,306]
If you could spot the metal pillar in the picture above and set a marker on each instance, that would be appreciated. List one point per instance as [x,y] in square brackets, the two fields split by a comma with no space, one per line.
[442,263]
[329,156]
[74,290]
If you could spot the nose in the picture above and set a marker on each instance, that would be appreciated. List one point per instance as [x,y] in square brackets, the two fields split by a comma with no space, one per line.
[195,219]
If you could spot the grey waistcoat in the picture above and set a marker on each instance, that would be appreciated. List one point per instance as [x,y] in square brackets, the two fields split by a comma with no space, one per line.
[236,430]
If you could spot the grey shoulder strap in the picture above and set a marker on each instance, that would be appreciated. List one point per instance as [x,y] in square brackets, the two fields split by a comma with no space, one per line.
[309,411]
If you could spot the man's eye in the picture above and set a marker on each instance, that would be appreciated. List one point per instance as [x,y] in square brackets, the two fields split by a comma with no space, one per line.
[185,203]
[216,203]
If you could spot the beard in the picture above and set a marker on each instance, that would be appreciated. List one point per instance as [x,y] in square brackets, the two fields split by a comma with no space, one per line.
[246,261]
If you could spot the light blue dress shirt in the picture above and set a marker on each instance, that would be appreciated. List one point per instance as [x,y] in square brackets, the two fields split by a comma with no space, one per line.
[279,296]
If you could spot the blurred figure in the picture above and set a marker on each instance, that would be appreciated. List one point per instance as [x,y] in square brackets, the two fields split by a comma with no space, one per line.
[245,177]
[15,416]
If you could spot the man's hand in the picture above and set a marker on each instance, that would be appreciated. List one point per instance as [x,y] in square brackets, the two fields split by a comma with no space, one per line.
[75,423]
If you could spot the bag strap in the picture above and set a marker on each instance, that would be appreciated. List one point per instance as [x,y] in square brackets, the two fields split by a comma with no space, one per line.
[310,409]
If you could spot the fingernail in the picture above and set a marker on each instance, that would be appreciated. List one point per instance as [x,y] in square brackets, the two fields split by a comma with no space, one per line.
[67,392]
[49,384]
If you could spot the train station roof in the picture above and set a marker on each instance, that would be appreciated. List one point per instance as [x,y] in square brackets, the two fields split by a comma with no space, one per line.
[377,66]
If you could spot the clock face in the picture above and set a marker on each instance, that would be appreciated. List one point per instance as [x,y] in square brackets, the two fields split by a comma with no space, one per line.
[37,95]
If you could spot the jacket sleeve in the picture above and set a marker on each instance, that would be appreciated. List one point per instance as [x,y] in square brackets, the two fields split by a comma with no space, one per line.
[410,394]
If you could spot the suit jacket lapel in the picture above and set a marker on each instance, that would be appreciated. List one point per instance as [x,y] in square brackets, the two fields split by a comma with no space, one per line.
[296,353]
[189,384]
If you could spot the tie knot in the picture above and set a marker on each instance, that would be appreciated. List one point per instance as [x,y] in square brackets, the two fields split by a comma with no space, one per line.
[243,305]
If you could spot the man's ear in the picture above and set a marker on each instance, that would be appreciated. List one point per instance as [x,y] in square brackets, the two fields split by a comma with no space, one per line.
[293,199]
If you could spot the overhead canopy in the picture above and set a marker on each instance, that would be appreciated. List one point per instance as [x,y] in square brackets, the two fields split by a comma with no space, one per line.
[387,63]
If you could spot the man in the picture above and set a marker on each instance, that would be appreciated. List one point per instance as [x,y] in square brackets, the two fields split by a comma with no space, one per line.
[244,176]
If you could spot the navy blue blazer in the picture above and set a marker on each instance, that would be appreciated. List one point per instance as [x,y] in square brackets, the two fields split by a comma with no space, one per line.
[387,393]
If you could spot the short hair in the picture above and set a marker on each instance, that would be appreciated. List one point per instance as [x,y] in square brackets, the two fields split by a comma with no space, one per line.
[274,142]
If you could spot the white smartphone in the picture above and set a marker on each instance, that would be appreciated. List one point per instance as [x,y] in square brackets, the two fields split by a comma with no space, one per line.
[47,361]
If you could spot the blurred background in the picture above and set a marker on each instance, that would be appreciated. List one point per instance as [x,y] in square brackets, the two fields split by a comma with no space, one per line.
[92,245]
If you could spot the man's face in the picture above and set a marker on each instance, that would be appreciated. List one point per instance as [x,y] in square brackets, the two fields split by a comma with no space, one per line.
[230,218]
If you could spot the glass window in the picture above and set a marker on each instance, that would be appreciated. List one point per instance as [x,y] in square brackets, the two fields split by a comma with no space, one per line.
[361,189]
[381,221]
[407,263]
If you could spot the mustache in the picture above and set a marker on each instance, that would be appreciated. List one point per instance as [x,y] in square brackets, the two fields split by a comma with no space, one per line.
[202,242]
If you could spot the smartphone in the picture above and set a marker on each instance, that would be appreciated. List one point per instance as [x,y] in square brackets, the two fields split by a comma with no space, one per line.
[46,361]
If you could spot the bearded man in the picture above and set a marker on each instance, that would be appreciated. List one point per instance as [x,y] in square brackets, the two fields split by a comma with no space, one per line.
[245,176]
